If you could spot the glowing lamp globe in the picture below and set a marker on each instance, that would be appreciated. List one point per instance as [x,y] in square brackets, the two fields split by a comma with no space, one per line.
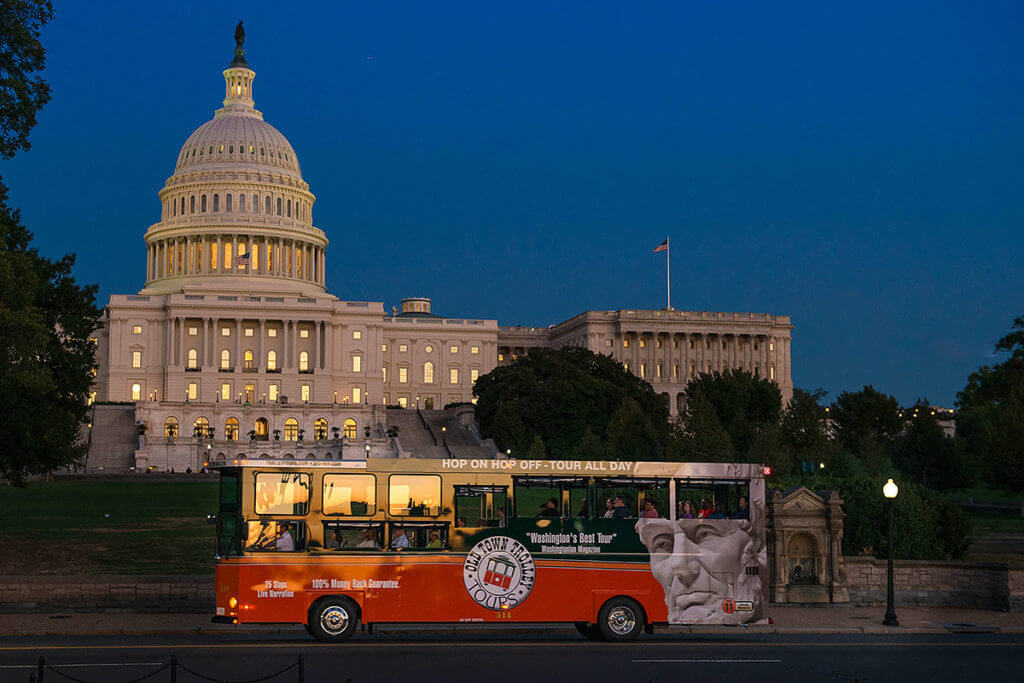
[890,489]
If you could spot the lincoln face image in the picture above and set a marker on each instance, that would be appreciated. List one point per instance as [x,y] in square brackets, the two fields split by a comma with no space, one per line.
[699,563]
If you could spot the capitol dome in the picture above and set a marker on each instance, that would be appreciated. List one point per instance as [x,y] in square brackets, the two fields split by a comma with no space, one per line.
[236,213]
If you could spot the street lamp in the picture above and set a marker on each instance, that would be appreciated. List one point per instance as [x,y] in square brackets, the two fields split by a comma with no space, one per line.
[889,491]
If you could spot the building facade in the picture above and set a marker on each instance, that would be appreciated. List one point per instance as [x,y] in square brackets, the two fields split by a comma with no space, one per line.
[234,340]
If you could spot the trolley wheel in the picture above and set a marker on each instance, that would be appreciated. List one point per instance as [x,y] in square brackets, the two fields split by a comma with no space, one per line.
[333,619]
[621,619]
[587,630]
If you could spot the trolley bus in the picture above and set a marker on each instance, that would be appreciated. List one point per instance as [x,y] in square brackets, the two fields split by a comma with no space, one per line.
[604,545]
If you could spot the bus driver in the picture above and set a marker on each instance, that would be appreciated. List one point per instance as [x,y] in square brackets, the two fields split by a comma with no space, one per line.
[700,563]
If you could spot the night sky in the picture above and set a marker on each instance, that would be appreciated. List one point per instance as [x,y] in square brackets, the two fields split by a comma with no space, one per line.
[857,168]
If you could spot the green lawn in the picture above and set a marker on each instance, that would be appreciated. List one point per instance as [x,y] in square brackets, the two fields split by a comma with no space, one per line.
[108,527]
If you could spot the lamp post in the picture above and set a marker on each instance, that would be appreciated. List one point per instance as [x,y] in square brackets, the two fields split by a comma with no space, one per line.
[889,491]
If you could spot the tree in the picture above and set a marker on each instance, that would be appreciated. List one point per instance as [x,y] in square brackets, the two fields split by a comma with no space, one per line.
[746,407]
[925,454]
[990,414]
[700,436]
[536,450]
[631,436]
[559,394]
[866,421]
[46,356]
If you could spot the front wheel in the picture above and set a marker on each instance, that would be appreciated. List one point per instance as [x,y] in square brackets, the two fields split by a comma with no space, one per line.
[621,619]
[333,620]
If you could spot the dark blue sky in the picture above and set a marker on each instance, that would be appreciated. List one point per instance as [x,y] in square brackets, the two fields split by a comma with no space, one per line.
[857,168]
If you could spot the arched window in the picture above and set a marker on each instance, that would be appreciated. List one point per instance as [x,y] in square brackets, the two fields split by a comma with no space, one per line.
[428,373]
[192,204]
[278,206]
[182,206]
[289,208]
[193,359]
[303,361]
[247,360]
[268,204]
[262,429]
[320,429]
[349,428]
[231,429]
[174,208]
[201,427]
[241,202]
[136,392]
[225,360]
[202,204]
[171,426]
[271,360]
[291,429]
[213,255]
[216,202]
[227,202]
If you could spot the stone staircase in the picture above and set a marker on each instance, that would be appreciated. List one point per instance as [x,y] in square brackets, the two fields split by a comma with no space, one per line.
[435,434]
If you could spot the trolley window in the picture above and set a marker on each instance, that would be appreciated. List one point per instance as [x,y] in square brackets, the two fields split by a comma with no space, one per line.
[353,536]
[550,496]
[281,536]
[635,493]
[480,505]
[350,494]
[418,536]
[282,493]
[414,495]
[712,498]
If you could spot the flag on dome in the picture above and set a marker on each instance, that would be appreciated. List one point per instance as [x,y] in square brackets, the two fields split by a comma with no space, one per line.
[242,259]
[661,247]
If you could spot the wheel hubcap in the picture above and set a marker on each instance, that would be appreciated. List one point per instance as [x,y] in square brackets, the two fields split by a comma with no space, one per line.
[334,619]
[621,620]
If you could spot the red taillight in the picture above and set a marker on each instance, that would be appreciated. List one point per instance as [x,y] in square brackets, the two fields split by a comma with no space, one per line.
[767,471]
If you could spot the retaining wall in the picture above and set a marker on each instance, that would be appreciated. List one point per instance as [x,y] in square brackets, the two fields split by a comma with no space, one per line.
[104,593]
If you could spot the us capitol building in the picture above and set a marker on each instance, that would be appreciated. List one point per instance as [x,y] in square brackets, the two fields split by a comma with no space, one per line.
[235,347]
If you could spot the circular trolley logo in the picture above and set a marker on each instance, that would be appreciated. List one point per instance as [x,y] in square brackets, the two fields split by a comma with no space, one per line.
[499,573]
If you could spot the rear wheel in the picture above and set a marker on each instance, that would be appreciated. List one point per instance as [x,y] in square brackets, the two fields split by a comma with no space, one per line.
[587,630]
[333,619]
[621,619]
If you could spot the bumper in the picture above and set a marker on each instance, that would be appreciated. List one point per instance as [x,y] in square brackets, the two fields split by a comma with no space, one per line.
[225,620]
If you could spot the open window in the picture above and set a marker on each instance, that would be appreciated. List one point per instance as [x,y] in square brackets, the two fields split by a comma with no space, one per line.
[632,497]
[275,536]
[712,498]
[360,536]
[479,505]
[418,536]
[550,496]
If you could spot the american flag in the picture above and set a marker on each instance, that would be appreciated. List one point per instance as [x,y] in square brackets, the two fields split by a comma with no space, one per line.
[241,259]
[661,247]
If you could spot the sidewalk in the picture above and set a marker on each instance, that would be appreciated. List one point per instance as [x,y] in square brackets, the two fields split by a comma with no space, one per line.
[787,620]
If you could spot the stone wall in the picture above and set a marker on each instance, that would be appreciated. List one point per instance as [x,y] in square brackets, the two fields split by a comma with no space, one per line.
[936,583]
[104,593]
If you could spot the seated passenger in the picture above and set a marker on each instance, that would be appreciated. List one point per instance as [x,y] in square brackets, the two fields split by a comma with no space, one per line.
[369,539]
[336,540]
[650,511]
[435,540]
[285,542]
[744,511]
[502,521]
[609,509]
[619,511]
[705,509]
[401,539]
[718,513]
[583,509]
[549,508]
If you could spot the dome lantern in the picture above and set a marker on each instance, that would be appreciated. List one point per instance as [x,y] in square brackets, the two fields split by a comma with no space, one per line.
[238,77]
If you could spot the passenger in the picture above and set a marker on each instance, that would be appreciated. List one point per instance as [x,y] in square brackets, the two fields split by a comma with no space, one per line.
[435,540]
[369,539]
[336,540]
[609,509]
[620,510]
[687,512]
[549,508]
[744,511]
[583,509]
[717,513]
[705,509]
[649,510]
[460,521]
[502,520]
[285,542]
[401,539]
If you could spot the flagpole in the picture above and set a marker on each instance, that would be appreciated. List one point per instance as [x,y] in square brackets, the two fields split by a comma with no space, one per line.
[668,275]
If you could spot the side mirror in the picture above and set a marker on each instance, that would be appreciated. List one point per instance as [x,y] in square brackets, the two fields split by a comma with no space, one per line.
[212,519]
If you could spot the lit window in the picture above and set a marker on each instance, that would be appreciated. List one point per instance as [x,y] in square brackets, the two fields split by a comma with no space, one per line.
[501,357]
[428,373]
[94,341]
[474,350]
[248,332]
[453,349]
[675,371]
[403,375]
[171,426]
[383,347]
[429,348]
[320,429]
[137,329]
[193,391]
[403,402]
[272,392]
[357,334]
[225,392]
[625,343]
[247,359]
[657,371]
[225,331]
[304,334]
[643,370]
[771,372]
[271,360]
[193,331]
[693,370]
[136,392]
[384,373]
[303,361]
[231,429]
[272,332]
[193,359]
[357,363]
[291,429]
[305,392]
[474,375]
[626,366]
[608,343]
[643,343]
[402,348]
[136,359]
[453,376]
[771,346]
[349,428]
[357,395]
[225,360]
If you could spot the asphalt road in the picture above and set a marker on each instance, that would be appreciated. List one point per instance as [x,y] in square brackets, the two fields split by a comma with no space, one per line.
[987,658]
